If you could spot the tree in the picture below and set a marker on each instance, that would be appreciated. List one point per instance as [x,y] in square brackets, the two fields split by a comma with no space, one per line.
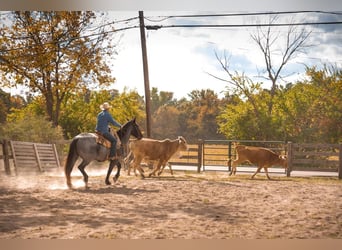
[276,57]
[8,103]
[311,110]
[160,98]
[307,111]
[4,105]
[198,115]
[238,119]
[244,116]
[256,105]
[30,127]
[53,54]
[80,116]
[165,122]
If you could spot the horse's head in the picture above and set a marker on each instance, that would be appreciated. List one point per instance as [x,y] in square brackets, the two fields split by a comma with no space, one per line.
[131,127]
[136,132]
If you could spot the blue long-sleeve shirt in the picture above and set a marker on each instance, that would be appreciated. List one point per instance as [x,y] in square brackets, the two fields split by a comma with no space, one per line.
[104,118]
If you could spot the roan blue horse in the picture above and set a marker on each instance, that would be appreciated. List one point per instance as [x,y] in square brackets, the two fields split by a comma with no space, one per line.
[85,146]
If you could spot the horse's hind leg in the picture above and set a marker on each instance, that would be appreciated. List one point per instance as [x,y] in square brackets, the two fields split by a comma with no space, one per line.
[110,169]
[81,167]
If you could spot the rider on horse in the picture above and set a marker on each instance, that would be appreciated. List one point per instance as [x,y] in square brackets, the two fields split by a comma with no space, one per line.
[104,118]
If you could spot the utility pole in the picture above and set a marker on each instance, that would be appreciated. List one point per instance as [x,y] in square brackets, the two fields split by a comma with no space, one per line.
[146,77]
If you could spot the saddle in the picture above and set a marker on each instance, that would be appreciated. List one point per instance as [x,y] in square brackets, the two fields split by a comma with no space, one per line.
[103,141]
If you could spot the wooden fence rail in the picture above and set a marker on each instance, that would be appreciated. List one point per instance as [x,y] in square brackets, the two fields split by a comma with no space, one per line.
[315,157]
[301,156]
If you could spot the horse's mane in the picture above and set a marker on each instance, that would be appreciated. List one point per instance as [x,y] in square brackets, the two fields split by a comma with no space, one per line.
[120,131]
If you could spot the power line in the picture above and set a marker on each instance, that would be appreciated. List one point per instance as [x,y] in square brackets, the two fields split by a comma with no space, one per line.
[242,14]
[156,27]
[68,40]
[259,13]
[126,21]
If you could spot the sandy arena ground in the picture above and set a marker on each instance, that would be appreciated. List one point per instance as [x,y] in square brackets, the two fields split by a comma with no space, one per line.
[188,205]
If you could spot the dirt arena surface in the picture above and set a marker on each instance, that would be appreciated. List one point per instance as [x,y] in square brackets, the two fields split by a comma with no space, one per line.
[188,205]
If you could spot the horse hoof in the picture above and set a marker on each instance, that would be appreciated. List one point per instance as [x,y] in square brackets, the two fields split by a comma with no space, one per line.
[108,183]
[115,179]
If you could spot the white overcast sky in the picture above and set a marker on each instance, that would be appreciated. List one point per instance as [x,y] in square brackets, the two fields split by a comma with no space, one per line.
[180,58]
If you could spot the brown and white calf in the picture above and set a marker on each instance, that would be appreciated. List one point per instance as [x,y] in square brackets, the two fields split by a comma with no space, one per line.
[155,150]
[261,157]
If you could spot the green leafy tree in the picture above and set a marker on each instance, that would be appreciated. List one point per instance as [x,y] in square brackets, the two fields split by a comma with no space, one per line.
[245,116]
[4,105]
[9,103]
[244,119]
[80,111]
[53,54]
[308,111]
[160,98]
[30,127]
[311,110]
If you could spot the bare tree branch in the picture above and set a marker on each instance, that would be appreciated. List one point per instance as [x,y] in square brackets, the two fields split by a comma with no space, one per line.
[294,43]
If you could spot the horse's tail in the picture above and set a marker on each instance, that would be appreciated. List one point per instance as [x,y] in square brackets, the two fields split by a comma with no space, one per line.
[70,162]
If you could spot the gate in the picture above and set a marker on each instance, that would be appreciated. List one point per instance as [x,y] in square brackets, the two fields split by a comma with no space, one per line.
[39,155]
[28,156]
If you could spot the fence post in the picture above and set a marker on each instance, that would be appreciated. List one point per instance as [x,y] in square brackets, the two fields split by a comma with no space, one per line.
[57,156]
[340,163]
[200,155]
[6,156]
[229,156]
[289,158]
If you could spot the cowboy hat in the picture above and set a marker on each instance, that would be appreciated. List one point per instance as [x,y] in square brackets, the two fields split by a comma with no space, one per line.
[105,106]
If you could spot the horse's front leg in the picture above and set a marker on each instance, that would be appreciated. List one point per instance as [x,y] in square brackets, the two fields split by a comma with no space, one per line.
[110,169]
[117,175]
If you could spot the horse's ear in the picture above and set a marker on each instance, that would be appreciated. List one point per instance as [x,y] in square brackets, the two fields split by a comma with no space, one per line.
[134,119]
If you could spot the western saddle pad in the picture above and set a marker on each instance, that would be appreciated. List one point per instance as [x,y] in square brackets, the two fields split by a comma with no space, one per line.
[103,141]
